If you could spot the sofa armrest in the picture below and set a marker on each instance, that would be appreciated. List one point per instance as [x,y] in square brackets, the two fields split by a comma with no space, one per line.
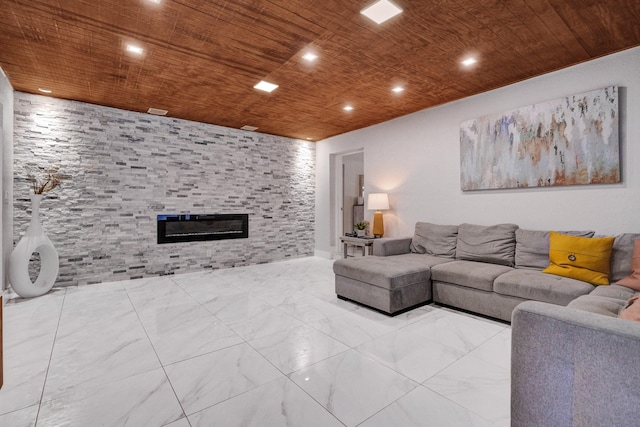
[391,246]
[573,368]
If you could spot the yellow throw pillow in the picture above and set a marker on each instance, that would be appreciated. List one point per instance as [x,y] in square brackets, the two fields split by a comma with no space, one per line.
[581,258]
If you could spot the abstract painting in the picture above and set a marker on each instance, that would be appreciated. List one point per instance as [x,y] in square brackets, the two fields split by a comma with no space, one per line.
[567,141]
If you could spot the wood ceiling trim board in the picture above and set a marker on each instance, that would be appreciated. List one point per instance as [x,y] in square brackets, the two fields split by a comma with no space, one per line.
[486,12]
[525,25]
[586,24]
[553,50]
[90,24]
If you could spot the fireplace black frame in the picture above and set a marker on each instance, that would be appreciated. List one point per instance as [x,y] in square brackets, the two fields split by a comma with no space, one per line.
[203,236]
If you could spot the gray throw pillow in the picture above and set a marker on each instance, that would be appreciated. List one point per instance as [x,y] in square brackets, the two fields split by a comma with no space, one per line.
[532,247]
[495,244]
[434,239]
[621,256]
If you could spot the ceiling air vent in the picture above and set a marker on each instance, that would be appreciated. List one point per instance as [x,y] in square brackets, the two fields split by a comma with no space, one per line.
[249,128]
[157,111]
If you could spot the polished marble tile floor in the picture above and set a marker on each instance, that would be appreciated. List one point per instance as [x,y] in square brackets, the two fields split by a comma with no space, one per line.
[265,345]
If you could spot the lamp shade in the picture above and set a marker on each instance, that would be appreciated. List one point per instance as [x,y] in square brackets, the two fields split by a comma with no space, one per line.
[378,201]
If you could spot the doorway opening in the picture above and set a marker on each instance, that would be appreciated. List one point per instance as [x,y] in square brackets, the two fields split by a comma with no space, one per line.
[347,200]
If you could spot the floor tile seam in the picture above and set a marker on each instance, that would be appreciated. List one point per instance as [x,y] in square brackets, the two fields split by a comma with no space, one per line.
[87,386]
[46,375]
[175,421]
[419,338]
[97,323]
[136,340]
[209,312]
[22,408]
[445,367]
[386,406]
[490,362]
[476,346]
[458,404]
[314,399]
[419,318]
[159,360]
[337,339]
[235,396]
[415,384]
[149,288]
[299,317]
[148,336]
[370,357]
[166,365]
[328,336]
[288,330]
[422,338]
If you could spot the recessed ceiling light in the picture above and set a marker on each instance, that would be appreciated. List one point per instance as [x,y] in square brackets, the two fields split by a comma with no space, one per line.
[157,111]
[44,90]
[309,139]
[469,62]
[154,1]
[266,86]
[249,128]
[134,49]
[347,108]
[309,56]
[380,11]
[398,89]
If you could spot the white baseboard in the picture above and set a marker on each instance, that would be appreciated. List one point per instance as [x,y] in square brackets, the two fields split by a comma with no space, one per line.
[322,254]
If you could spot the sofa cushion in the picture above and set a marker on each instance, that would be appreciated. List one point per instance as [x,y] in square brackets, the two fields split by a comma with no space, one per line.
[426,260]
[434,239]
[478,275]
[598,304]
[532,247]
[622,255]
[390,272]
[537,286]
[631,310]
[580,258]
[613,291]
[495,244]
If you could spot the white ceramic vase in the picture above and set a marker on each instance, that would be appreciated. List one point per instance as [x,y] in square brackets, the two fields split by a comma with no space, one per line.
[34,240]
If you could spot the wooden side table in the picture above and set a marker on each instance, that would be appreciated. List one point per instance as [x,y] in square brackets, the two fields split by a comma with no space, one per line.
[365,243]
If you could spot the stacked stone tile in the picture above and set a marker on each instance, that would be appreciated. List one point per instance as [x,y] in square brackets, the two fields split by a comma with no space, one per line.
[125,168]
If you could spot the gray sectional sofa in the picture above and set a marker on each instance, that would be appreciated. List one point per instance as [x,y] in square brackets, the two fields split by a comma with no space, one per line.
[573,361]
[573,366]
[484,269]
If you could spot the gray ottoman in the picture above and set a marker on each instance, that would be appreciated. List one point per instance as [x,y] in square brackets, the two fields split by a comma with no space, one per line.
[389,284]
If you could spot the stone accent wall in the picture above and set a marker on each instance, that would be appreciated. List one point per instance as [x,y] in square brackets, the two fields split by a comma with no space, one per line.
[124,168]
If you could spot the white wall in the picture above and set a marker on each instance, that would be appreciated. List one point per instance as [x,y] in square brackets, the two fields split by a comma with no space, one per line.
[6,174]
[416,159]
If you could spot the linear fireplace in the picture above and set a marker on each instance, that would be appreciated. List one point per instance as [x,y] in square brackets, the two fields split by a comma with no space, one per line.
[194,228]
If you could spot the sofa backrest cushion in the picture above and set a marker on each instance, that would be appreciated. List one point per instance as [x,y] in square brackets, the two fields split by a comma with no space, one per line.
[633,280]
[495,244]
[621,255]
[532,247]
[434,239]
[581,258]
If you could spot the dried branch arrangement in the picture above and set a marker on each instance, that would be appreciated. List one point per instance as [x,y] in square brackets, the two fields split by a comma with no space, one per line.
[48,183]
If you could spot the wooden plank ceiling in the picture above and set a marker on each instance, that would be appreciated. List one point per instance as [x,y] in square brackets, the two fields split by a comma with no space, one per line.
[202,57]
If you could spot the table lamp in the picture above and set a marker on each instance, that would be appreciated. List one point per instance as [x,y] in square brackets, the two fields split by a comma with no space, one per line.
[378,202]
